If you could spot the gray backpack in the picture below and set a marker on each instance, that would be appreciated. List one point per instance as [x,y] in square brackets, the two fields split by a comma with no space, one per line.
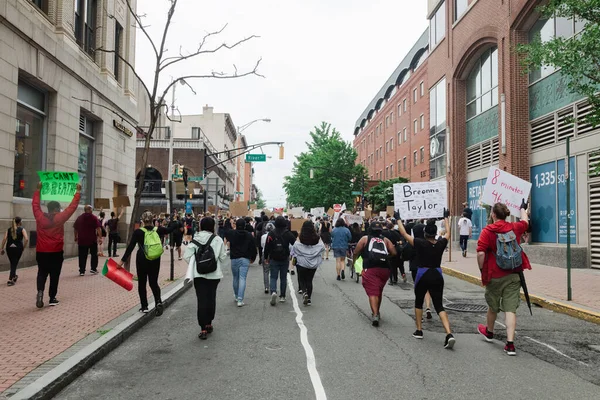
[509,254]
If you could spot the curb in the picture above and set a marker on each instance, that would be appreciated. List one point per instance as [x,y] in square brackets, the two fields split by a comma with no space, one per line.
[60,377]
[554,305]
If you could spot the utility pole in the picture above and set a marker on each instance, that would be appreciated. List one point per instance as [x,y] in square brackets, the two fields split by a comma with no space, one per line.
[171,134]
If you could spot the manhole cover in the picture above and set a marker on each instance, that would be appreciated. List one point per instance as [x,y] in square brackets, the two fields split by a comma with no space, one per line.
[466,307]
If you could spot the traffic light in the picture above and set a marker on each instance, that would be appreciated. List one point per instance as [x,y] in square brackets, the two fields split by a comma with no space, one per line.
[281,152]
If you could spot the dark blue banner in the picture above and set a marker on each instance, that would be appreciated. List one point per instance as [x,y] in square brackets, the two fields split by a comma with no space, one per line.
[562,201]
[479,219]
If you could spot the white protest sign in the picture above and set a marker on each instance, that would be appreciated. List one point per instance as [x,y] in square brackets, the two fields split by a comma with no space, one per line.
[352,219]
[318,211]
[383,214]
[257,213]
[502,187]
[421,200]
[297,212]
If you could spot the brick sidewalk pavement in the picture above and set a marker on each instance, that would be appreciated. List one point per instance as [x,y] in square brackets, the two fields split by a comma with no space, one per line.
[32,336]
[545,281]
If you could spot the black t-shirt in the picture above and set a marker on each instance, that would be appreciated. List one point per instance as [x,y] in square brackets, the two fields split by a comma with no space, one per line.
[176,227]
[429,255]
[249,228]
[392,235]
[241,244]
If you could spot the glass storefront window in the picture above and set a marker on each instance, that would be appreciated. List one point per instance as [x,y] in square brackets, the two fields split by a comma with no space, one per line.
[29,140]
[437,130]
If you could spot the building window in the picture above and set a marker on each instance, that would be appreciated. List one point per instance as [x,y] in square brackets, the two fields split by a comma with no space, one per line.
[404,163]
[391,144]
[422,151]
[405,135]
[399,138]
[415,127]
[422,89]
[404,105]
[422,121]
[437,26]
[415,159]
[387,146]
[118,51]
[42,5]
[85,25]
[399,110]
[460,6]
[414,95]
[482,86]
[196,133]
[399,166]
[85,164]
[387,121]
[392,117]
[387,172]
[30,140]
[437,130]
[391,170]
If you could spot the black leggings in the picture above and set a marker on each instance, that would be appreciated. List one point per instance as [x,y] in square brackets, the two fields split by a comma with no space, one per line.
[113,239]
[14,255]
[148,271]
[206,293]
[395,264]
[305,279]
[432,282]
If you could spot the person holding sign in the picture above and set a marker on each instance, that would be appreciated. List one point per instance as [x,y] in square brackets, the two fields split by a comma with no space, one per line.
[50,241]
[429,278]
[502,282]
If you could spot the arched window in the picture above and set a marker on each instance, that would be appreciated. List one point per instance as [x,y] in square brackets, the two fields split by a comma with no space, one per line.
[421,59]
[482,86]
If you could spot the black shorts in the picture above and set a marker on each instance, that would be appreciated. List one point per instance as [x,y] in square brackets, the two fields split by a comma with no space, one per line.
[177,239]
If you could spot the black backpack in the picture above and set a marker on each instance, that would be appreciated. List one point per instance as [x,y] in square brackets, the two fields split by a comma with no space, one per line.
[279,250]
[377,252]
[206,262]
[405,251]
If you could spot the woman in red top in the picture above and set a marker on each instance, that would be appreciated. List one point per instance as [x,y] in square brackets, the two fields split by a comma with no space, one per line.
[502,288]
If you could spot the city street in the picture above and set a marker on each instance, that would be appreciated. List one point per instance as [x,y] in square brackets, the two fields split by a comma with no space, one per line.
[256,352]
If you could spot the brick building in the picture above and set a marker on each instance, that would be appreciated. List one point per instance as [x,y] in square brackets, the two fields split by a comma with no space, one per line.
[65,105]
[485,111]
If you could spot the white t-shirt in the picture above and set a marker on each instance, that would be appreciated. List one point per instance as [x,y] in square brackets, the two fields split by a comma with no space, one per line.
[465,225]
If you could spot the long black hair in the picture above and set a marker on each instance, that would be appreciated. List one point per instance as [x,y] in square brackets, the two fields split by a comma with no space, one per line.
[308,234]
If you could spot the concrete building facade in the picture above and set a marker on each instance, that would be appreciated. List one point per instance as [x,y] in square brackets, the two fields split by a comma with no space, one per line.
[74,107]
[489,113]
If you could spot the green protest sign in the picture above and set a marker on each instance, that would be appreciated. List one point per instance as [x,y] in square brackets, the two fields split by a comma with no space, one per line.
[58,186]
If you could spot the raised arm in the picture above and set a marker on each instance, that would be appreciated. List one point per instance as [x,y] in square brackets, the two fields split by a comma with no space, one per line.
[64,216]
[405,235]
[121,212]
[448,229]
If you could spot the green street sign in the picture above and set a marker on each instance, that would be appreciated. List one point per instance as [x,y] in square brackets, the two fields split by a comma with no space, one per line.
[195,178]
[176,177]
[355,193]
[256,157]
[239,192]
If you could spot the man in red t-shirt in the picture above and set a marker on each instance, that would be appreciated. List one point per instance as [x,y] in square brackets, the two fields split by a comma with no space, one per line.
[88,233]
[502,288]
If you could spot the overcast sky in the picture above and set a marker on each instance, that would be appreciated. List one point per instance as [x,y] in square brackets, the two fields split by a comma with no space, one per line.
[322,61]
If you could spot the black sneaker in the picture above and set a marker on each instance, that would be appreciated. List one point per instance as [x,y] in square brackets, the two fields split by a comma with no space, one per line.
[53,302]
[306,300]
[449,342]
[209,328]
[343,275]
[143,310]
[203,335]
[428,313]
[10,283]
[338,278]
[159,309]
[418,334]
[293,272]
[391,283]
[39,302]
[375,320]
[266,290]
[94,272]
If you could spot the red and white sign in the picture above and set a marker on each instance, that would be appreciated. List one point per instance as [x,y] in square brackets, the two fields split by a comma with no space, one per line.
[502,187]
[337,208]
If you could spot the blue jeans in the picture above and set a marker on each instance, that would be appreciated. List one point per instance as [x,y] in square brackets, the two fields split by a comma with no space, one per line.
[239,269]
[279,268]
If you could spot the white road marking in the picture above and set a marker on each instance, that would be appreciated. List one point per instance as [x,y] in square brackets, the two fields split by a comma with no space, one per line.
[555,350]
[311,362]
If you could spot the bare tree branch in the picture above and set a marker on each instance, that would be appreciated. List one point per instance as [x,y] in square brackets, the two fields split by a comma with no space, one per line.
[129,65]
[138,19]
[200,50]
[214,75]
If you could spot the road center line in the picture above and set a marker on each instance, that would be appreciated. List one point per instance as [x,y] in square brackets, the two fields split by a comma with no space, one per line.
[311,362]
[555,350]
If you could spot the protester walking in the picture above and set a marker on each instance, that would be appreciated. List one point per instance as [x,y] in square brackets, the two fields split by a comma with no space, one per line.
[113,232]
[260,230]
[15,240]
[50,243]
[268,227]
[465,227]
[340,239]
[326,235]
[308,251]
[88,234]
[205,284]
[501,259]
[147,260]
[101,218]
[242,251]
[418,231]
[374,250]
[429,278]
[276,255]
[395,262]
[178,229]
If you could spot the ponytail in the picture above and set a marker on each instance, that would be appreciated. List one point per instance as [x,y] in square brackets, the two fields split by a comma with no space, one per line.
[13,229]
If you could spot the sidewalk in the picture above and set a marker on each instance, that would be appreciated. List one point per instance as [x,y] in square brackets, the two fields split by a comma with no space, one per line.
[544,281]
[32,336]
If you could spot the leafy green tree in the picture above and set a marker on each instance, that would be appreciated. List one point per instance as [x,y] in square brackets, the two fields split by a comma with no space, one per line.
[578,57]
[335,172]
[260,203]
[382,195]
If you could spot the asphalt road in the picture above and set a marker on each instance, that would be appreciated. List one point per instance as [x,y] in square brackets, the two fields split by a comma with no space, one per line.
[256,351]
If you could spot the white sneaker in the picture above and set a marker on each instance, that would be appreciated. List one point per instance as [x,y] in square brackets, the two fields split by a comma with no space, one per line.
[273,298]
[240,303]
[282,299]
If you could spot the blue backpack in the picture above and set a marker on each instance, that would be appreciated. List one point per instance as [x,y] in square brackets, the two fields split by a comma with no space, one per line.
[509,254]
